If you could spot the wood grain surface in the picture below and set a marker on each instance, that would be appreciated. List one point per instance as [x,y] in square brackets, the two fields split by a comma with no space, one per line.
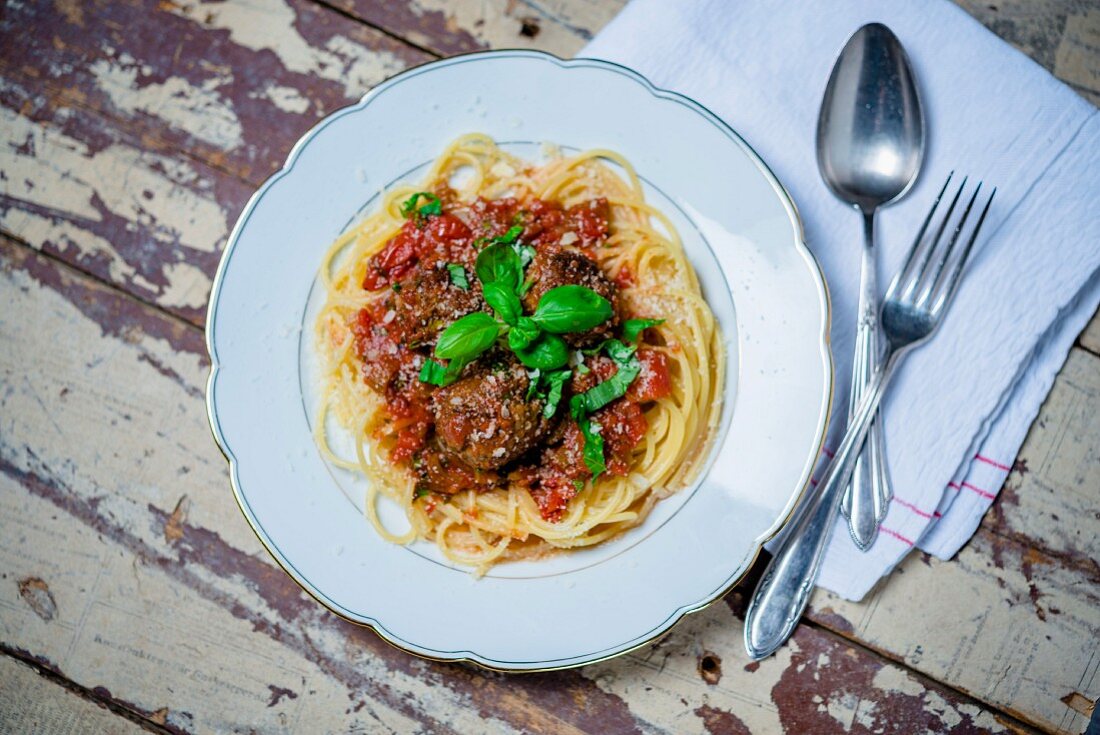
[133,595]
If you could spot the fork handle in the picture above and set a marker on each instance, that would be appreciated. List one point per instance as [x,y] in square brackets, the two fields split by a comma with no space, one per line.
[784,590]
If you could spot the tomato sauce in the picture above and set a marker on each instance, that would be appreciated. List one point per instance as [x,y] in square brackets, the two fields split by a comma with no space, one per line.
[417,294]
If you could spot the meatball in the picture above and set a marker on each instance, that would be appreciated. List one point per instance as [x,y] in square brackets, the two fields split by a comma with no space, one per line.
[551,269]
[439,471]
[486,420]
[428,301]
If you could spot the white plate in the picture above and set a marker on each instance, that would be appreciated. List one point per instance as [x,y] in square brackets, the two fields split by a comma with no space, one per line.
[743,236]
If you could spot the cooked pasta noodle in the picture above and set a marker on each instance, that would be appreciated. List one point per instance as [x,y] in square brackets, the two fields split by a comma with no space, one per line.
[476,526]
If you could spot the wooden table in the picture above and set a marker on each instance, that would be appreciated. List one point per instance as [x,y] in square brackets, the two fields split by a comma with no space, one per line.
[132,592]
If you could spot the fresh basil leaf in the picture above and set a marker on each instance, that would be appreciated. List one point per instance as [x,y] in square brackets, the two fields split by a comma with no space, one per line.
[583,369]
[593,447]
[432,205]
[436,374]
[432,372]
[612,388]
[421,491]
[578,485]
[532,383]
[510,236]
[409,205]
[633,328]
[458,276]
[467,337]
[595,350]
[616,386]
[516,340]
[576,407]
[617,351]
[555,381]
[526,254]
[547,353]
[571,308]
[503,300]
[499,263]
[523,333]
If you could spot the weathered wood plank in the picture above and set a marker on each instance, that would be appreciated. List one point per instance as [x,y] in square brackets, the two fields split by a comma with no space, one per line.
[131,136]
[1050,498]
[814,684]
[116,499]
[1077,58]
[1090,338]
[230,84]
[34,704]
[1012,619]
[149,222]
[1003,622]
[446,27]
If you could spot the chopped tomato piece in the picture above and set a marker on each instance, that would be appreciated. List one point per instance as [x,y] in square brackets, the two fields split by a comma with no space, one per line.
[653,380]
[591,220]
[552,497]
[622,426]
[394,260]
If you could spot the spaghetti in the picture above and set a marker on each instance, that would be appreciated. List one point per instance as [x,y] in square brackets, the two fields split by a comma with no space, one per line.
[491,458]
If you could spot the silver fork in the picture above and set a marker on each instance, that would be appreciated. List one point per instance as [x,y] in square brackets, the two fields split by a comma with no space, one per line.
[914,307]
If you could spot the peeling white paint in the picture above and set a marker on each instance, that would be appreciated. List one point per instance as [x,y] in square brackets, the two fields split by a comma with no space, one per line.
[160,193]
[187,286]
[843,709]
[199,111]
[865,714]
[158,201]
[270,25]
[938,706]
[655,679]
[893,679]
[65,236]
[286,99]
[30,152]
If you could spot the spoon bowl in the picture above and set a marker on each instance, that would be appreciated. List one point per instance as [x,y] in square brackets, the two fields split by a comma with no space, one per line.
[870,133]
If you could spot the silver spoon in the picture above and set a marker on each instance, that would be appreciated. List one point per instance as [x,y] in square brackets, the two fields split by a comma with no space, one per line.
[870,145]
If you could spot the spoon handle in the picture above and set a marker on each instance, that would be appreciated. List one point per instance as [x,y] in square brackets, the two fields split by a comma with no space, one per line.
[867,494]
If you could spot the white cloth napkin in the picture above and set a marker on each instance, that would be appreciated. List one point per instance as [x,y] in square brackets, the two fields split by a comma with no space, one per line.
[960,407]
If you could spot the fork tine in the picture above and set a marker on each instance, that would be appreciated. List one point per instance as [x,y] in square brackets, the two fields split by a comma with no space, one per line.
[903,271]
[936,280]
[946,294]
[917,278]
